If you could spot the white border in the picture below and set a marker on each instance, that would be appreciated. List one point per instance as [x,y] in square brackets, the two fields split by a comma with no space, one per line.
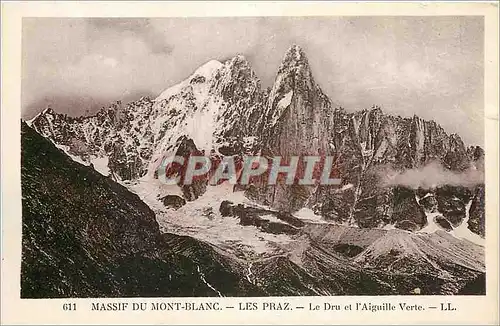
[471,310]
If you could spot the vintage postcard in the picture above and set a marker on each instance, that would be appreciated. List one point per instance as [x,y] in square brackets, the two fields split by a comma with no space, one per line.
[249,163]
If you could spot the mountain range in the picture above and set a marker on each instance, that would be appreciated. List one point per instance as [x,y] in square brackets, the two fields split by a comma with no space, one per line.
[408,216]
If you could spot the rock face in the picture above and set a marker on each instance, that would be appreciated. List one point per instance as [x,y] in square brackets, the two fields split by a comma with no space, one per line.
[221,109]
[429,203]
[285,224]
[443,223]
[476,221]
[85,235]
[299,114]
[451,203]
[407,213]
[173,201]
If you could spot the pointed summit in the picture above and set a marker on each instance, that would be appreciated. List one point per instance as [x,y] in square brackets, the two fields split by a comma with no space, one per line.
[295,68]
[239,64]
[296,100]
[201,77]
[294,57]
[207,69]
[48,110]
[295,51]
[293,81]
[239,58]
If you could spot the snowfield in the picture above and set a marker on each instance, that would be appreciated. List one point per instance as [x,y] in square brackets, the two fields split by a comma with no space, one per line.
[201,219]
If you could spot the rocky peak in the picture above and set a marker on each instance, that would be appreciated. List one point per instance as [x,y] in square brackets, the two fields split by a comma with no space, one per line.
[294,58]
[222,109]
[194,86]
[475,153]
[294,72]
[238,62]
[49,124]
[296,100]
[48,110]
[208,69]
[236,74]
[238,95]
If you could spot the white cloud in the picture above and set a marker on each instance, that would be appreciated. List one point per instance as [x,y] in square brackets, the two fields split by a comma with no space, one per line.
[432,175]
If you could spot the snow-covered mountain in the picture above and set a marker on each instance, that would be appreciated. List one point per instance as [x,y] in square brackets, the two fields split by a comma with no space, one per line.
[221,109]
[409,213]
[85,235]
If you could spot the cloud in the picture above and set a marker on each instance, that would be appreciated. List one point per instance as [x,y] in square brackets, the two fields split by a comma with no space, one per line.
[140,28]
[430,176]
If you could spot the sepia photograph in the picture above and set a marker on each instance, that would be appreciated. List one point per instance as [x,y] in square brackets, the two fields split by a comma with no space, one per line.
[187,156]
[265,163]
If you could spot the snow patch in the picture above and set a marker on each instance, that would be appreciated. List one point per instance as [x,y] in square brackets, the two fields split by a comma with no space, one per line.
[249,273]
[30,121]
[201,127]
[431,226]
[425,196]
[206,70]
[222,231]
[460,232]
[346,187]
[150,190]
[309,215]
[65,149]
[101,165]
[463,232]
[286,100]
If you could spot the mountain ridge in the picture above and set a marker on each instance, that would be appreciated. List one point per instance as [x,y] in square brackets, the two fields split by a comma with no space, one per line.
[116,247]
[223,110]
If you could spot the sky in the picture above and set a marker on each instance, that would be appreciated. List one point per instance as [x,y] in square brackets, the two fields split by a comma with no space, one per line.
[428,66]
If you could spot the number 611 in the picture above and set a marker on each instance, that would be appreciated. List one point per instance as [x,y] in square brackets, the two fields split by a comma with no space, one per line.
[69,306]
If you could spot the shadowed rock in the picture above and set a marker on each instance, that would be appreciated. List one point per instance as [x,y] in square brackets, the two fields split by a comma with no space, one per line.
[173,201]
